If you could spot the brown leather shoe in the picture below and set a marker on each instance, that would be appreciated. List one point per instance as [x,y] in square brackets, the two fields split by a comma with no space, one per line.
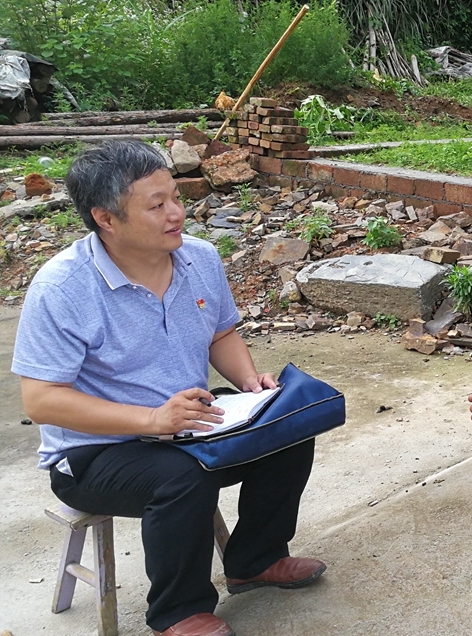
[198,625]
[288,572]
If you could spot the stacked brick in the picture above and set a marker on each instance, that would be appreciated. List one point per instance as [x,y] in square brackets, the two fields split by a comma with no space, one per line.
[266,129]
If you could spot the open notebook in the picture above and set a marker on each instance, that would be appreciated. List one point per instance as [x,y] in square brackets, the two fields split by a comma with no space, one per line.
[239,408]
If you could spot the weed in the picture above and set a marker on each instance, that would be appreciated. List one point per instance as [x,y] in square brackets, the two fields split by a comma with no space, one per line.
[201,124]
[226,245]
[246,198]
[380,234]
[459,283]
[4,292]
[322,119]
[65,219]
[388,321]
[284,304]
[315,227]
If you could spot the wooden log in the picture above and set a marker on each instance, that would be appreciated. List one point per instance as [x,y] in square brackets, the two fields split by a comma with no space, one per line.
[136,117]
[36,141]
[32,129]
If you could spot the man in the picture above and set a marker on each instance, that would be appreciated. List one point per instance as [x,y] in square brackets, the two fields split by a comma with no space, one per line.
[114,343]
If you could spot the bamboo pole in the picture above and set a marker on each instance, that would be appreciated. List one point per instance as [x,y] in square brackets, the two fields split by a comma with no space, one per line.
[263,66]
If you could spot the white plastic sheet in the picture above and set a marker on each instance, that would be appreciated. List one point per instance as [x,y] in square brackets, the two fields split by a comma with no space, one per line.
[14,77]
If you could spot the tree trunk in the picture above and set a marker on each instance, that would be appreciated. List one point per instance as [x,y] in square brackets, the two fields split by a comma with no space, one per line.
[33,129]
[136,117]
[37,141]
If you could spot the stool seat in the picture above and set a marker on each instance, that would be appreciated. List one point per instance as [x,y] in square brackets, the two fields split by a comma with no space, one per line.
[102,577]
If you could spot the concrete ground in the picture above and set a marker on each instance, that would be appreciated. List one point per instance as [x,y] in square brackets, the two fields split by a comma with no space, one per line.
[387,507]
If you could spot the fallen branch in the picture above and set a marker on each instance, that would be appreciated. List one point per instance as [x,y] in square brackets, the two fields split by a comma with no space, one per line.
[136,129]
[134,117]
[37,141]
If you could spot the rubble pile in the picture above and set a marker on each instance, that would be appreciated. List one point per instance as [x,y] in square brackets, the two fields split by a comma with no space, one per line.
[261,229]
[267,129]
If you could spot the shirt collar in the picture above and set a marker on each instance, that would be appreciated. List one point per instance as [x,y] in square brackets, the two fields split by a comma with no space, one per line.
[113,275]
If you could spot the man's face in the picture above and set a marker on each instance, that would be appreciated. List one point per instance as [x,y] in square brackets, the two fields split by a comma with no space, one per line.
[154,217]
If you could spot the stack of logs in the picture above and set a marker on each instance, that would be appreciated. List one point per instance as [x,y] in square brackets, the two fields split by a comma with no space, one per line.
[264,128]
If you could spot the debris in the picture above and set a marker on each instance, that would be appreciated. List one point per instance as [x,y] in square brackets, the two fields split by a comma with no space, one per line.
[383,408]
[227,169]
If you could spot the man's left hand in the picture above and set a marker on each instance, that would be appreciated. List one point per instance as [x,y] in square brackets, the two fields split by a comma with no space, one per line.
[256,383]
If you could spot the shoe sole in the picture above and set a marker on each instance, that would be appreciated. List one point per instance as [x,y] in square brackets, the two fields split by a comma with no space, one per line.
[246,587]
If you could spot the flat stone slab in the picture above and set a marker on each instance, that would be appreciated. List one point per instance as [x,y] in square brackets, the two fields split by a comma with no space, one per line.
[394,284]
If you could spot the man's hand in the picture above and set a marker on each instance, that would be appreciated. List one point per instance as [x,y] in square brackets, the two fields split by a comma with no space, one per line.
[256,383]
[180,412]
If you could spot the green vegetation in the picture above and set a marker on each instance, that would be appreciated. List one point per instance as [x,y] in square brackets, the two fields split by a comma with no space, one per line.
[459,284]
[322,119]
[460,90]
[454,157]
[380,234]
[387,321]
[315,228]
[246,198]
[28,162]
[68,218]
[226,246]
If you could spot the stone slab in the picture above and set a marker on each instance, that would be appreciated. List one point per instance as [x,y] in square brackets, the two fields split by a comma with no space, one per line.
[394,284]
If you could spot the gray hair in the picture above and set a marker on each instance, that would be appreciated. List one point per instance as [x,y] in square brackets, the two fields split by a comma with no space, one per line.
[101,176]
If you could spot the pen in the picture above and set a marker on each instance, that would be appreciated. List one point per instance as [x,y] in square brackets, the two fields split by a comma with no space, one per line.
[204,401]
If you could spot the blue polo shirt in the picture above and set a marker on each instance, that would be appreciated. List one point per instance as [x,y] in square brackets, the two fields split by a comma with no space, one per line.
[84,322]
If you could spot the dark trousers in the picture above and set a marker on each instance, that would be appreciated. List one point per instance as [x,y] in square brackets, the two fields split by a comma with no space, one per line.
[176,500]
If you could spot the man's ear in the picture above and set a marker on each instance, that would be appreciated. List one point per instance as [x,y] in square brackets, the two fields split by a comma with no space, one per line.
[104,219]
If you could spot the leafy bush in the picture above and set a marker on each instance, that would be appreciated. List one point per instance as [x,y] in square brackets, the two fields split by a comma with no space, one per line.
[315,227]
[380,234]
[459,283]
[388,321]
[321,119]
[226,245]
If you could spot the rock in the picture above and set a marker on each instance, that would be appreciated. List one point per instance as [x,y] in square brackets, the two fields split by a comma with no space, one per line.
[215,148]
[167,157]
[290,292]
[36,185]
[443,319]
[464,246]
[238,258]
[417,327]
[324,208]
[394,284]
[348,203]
[194,137]
[396,215]
[284,326]
[196,228]
[295,308]
[228,169]
[317,322]
[438,234]
[409,244]
[461,219]
[195,188]
[441,255]
[425,213]
[361,204]
[200,149]
[354,319]
[410,210]
[184,157]
[286,274]
[58,200]
[218,233]
[8,195]
[424,344]
[255,311]
[464,330]
[281,250]
[394,206]
[457,233]
[374,210]
[381,203]
[221,218]
[259,230]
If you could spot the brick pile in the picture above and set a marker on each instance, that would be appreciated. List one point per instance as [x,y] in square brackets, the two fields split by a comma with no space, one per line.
[266,129]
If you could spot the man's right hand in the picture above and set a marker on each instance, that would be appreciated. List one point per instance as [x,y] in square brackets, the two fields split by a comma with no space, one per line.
[180,412]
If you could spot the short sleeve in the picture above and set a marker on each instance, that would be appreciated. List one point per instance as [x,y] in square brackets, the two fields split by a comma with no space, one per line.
[50,342]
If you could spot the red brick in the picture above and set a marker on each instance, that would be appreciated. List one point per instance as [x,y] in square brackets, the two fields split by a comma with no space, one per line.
[344,176]
[254,117]
[282,112]
[443,209]
[264,112]
[257,150]
[264,128]
[254,161]
[400,185]
[283,182]
[242,124]
[253,141]
[336,191]
[280,121]
[319,172]
[271,165]
[294,168]
[360,194]
[279,146]
[233,139]
[243,141]
[234,146]
[264,102]
[289,130]
[195,189]
[264,143]
[377,182]
[243,132]
[305,183]
[457,193]
[292,139]
[429,189]
[290,154]
[255,133]
[468,209]
[253,125]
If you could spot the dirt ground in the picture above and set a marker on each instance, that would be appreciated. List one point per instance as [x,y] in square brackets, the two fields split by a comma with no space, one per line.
[400,566]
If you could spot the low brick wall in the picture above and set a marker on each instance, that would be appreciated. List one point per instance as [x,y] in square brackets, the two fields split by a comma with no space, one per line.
[449,194]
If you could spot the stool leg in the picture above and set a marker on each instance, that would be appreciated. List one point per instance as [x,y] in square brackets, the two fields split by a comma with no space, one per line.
[65,586]
[104,557]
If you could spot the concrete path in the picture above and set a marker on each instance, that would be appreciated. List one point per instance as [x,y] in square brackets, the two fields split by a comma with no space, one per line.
[401,566]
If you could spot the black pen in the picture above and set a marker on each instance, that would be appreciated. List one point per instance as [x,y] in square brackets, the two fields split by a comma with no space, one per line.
[204,401]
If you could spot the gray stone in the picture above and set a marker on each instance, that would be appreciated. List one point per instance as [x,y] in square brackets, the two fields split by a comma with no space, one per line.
[443,318]
[397,206]
[255,311]
[238,258]
[286,274]
[283,250]
[290,292]
[410,210]
[324,207]
[216,234]
[462,219]
[196,228]
[185,158]
[438,234]
[404,286]
[374,210]
[57,200]
[166,155]
[221,219]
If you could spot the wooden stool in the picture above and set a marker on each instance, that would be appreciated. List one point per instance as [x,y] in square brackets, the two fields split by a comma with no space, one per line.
[102,577]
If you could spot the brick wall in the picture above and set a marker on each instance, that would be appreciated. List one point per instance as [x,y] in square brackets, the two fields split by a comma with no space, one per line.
[449,194]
